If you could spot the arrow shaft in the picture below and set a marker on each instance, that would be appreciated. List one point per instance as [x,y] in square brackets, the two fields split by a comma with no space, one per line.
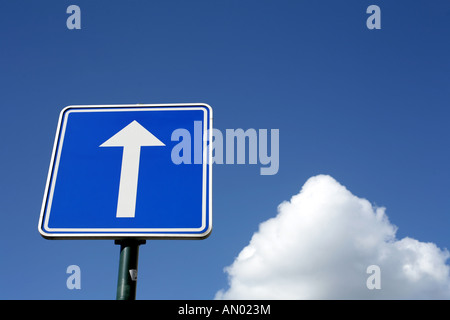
[126,205]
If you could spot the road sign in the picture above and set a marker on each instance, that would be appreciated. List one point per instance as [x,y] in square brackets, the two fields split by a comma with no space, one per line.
[113,176]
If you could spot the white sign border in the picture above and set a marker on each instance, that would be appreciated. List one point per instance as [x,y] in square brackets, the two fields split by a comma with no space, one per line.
[120,233]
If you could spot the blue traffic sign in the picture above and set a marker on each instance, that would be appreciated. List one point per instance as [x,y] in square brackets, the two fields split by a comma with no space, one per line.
[116,173]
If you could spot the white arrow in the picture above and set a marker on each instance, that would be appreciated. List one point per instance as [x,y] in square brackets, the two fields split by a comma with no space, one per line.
[131,138]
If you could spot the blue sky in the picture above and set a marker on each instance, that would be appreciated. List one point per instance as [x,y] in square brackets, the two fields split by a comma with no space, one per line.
[367,107]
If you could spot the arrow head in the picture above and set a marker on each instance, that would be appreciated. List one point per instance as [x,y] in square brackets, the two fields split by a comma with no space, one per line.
[133,134]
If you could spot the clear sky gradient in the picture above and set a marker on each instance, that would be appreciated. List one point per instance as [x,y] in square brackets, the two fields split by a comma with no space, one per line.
[368,107]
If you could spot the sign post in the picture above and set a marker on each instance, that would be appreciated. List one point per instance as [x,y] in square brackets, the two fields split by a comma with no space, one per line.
[128,268]
[115,173]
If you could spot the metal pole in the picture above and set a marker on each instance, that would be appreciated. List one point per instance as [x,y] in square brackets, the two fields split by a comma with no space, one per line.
[128,266]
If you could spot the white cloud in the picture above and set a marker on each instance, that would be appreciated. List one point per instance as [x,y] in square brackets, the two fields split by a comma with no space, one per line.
[319,247]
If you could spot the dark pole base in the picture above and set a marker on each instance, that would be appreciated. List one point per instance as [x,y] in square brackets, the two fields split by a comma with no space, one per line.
[128,266]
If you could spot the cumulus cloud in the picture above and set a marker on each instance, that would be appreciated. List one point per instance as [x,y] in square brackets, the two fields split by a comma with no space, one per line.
[320,245]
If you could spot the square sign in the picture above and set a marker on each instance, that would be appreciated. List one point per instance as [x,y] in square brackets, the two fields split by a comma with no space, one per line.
[130,171]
